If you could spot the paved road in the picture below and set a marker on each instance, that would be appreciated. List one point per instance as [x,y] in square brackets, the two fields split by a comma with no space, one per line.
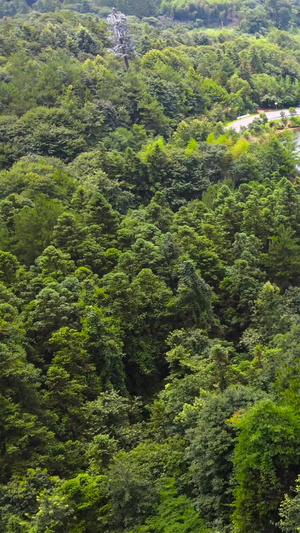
[270,114]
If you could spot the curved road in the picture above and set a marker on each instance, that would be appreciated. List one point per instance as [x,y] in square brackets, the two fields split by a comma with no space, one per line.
[271,115]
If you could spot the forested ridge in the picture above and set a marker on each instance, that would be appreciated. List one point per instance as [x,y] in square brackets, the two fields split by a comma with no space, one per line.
[149,269]
[250,15]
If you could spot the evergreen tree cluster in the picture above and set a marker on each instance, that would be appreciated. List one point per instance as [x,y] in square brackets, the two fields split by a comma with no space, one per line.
[149,272]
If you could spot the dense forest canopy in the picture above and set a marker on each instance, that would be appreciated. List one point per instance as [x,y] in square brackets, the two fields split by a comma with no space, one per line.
[149,268]
[251,15]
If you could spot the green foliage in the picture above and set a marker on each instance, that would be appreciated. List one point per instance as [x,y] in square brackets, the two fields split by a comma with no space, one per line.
[289,512]
[174,514]
[149,268]
[266,460]
[210,452]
